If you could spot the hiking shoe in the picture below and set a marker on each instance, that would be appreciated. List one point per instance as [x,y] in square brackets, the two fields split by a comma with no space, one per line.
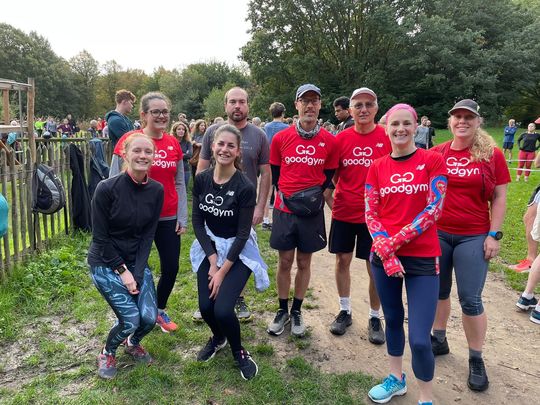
[389,388]
[248,368]
[298,328]
[341,323]
[535,316]
[106,366]
[439,348]
[197,316]
[139,354]
[522,267]
[525,303]
[376,331]
[165,323]
[242,311]
[277,326]
[478,380]
[210,349]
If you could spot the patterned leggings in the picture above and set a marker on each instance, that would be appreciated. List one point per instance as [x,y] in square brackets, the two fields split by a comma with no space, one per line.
[136,313]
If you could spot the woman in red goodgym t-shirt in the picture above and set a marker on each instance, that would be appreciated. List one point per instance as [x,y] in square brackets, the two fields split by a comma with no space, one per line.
[469,229]
[168,169]
[404,195]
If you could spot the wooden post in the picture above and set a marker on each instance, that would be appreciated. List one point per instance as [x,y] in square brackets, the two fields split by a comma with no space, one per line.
[5,105]
[31,95]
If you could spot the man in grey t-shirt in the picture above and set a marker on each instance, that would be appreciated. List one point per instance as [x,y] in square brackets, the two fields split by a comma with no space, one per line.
[421,136]
[255,157]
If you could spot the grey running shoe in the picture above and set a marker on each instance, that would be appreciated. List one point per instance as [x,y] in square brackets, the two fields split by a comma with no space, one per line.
[210,349]
[277,326]
[106,366]
[439,348]
[525,303]
[341,323]
[139,354]
[248,367]
[298,328]
[242,311]
[376,331]
[197,317]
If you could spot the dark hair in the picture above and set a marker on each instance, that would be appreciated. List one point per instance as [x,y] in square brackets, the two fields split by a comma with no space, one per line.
[277,109]
[233,130]
[342,101]
[184,124]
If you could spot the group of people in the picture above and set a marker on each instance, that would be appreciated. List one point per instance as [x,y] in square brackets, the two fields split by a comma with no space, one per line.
[413,215]
[528,144]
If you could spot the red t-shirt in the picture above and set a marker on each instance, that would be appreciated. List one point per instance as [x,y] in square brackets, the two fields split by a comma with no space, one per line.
[302,161]
[356,154]
[403,187]
[166,158]
[465,212]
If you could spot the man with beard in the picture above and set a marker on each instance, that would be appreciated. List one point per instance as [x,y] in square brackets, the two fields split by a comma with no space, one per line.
[255,157]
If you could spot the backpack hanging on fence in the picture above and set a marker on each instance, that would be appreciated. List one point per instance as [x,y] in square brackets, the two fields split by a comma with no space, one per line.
[48,194]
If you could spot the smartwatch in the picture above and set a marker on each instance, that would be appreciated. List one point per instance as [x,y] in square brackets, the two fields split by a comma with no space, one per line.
[120,269]
[497,235]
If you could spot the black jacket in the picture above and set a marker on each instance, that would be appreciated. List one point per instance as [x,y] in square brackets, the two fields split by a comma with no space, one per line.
[80,198]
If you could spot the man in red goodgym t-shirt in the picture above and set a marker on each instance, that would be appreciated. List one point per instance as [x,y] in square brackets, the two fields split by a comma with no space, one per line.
[358,147]
[301,156]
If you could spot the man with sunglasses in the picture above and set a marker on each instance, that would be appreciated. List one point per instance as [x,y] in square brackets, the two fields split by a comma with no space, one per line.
[255,154]
[117,121]
[358,147]
[303,159]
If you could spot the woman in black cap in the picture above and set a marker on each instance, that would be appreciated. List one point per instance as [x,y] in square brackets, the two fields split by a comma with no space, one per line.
[469,229]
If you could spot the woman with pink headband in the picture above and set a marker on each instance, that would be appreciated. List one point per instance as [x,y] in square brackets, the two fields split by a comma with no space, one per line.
[404,197]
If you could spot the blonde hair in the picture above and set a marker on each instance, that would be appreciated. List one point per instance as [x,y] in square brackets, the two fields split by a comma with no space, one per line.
[127,145]
[483,144]
[187,136]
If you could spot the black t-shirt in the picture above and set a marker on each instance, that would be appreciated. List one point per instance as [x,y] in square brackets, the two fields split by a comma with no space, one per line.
[227,210]
[529,142]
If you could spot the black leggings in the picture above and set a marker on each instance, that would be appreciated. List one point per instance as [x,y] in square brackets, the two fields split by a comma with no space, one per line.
[219,313]
[168,246]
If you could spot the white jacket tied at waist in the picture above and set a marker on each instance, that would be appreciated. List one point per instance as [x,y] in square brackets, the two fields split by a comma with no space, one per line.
[249,255]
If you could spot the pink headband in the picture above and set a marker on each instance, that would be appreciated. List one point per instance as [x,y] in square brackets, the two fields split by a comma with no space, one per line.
[401,106]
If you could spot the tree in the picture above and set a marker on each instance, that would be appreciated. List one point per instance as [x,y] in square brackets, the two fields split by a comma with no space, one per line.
[86,72]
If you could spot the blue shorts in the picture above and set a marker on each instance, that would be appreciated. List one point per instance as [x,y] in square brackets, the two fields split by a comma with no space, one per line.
[508,145]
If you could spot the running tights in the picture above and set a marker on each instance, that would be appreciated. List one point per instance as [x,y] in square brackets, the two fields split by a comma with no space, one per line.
[168,246]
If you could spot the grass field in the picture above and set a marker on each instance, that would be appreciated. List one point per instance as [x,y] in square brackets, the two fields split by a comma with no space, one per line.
[53,321]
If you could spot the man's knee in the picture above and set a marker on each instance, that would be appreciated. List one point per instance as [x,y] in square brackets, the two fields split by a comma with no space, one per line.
[471,305]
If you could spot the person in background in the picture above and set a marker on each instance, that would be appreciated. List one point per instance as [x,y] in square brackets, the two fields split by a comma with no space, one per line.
[39,125]
[382,121]
[421,137]
[168,169]
[256,121]
[100,125]
[225,251]
[122,234]
[528,143]
[508,140]
[469,230]
[341,111]
[51,126]
[197,134]
[180,130]
[65,128]
[117,121]
[93,131]
[404,196]
[431,133]
[277,111]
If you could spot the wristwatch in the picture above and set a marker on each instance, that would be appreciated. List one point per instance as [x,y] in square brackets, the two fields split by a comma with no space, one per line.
[497,235]
[120,269]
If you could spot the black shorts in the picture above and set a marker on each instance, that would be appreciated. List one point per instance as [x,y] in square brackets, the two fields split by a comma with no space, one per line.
[290,231]
[508,145]
[535,197]
[343,236]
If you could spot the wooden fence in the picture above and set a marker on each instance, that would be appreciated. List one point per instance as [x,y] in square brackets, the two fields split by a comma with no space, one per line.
[26,233]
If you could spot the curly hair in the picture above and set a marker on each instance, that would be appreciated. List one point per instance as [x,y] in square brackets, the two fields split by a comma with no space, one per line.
[187,136]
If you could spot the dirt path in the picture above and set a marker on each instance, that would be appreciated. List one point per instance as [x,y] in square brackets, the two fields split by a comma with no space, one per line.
[511,352]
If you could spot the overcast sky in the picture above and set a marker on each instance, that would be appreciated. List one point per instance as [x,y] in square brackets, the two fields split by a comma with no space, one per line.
[137,34]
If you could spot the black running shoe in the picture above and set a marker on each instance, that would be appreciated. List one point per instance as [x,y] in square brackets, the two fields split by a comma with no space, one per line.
[248,368]
[478,380]
[376,331]
[439,348]
[341,323]
[210,349]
